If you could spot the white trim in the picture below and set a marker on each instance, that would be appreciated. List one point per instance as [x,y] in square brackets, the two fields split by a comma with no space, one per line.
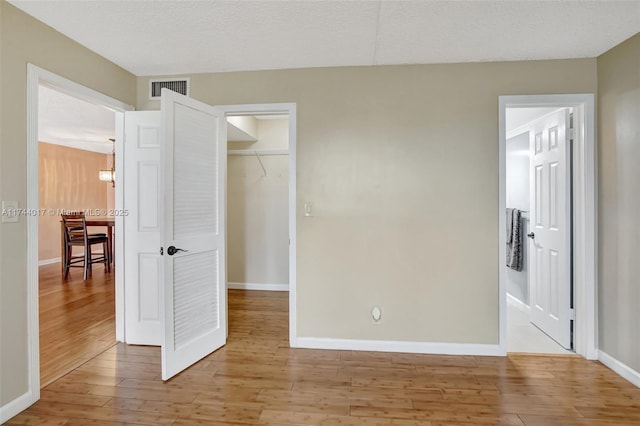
[502,233]
[119,234]
[620,368]
[37,76]
[584,219]
[399,346]
[33,329]
[517,303]
[15,407]
[258,286]
[258,152]
[291,111]
[49,261]
[587,221]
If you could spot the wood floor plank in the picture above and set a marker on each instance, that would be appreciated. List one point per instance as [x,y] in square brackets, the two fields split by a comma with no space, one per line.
[285,417]
[33,419]
[619,413]
[80,377]
[443,415]
[73,398]
[226,412]
[534,420]
[166,395]
[158,407]
[104,414]
[334,396]
[77,319]
[258,379]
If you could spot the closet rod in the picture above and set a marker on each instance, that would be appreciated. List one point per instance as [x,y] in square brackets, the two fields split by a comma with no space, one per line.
[261,165]
[258,152]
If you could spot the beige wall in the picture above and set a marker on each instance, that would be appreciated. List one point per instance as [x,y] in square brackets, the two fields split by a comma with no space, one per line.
[258,210]
[401,163]
[24,40]
[68,180]
[619,202]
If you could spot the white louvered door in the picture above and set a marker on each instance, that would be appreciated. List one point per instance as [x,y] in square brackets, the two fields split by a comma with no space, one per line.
[194,156]
[550,216]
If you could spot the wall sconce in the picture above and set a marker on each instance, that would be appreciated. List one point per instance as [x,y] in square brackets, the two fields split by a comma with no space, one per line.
[110,174]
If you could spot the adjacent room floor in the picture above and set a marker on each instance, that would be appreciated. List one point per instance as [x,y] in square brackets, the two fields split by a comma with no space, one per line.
[77,318]
[257,379]
[522,336]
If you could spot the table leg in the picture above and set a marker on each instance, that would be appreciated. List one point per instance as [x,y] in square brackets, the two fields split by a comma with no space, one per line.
[110,243]
[63,247]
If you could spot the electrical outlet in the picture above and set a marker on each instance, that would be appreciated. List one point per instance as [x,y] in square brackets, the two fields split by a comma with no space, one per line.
[376,315]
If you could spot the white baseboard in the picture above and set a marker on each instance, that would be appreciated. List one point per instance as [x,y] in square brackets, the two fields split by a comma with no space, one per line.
[49,261]
[398,346]
[15,407]
[618,367]
[258,286]
[517,303]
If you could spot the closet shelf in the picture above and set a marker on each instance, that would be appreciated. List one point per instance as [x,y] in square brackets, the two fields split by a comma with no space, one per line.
[242,129]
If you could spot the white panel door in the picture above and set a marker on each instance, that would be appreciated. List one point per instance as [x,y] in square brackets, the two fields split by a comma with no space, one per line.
[142,228]
[550,216]
[194,147]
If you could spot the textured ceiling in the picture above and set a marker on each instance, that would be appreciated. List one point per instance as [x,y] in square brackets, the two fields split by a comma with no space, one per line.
[64,120]
[175,37]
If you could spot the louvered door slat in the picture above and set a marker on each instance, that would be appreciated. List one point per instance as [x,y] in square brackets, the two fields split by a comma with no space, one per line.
[194,291]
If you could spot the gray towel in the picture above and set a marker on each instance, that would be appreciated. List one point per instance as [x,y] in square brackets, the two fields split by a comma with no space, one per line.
[514,239]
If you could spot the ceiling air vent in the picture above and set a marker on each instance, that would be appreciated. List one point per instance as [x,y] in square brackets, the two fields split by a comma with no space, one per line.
[179,85]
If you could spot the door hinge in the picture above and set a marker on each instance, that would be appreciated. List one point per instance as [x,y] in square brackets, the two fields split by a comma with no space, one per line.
[572,314]
[570,134]
[161,251]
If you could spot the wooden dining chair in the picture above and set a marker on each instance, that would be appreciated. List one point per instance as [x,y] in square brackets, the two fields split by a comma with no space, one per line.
[75,234]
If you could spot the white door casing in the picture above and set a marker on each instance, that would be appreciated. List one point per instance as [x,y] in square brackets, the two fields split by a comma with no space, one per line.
[194,156]
[550,221]
[143,224]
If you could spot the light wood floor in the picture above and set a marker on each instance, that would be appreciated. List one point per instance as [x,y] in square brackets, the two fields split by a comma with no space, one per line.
[77,319]
[257,379]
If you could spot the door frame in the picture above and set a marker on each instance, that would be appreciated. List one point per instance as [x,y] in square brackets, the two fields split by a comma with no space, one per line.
[37,76]
[290,109]
[583,220]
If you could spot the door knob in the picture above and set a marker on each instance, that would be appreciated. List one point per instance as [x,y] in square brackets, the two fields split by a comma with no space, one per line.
[171,250]
[530,235]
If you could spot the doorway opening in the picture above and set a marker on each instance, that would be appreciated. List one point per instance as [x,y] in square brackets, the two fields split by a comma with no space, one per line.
[38,78]
[257,224]
[257,203]
[528,269]
[547,224]
[76,316]
[261,218]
